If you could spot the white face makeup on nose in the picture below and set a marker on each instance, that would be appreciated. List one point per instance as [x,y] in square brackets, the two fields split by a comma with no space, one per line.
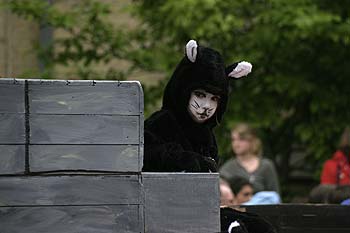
[202,105]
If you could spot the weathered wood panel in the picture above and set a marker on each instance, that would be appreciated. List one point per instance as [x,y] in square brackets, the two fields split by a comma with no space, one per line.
[12,128]
[84,129]
[11,98]
[93,126]
[70,190]
[102,98]
[71,219]
[117,158]
[12,159]
[181,202]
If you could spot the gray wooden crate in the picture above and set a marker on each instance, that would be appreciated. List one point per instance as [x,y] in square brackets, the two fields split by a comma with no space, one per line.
[11,96]
[181,202]
[76,189]
[84,157]
[71,219]
[71,155]
[12,127]
[12,159]
[85,97]
[70,125]
[80,203]
[150,203]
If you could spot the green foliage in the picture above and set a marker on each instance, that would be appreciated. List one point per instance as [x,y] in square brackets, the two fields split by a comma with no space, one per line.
[90,41]
[297,94]
[89,38]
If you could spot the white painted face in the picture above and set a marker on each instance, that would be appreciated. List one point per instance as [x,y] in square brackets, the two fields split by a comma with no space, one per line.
[202,105]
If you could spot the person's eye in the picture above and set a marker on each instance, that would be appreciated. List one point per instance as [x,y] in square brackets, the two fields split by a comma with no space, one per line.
[199,94]
[215,98]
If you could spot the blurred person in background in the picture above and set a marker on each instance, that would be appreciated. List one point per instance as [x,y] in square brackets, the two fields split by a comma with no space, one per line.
[340,195]
[249,162]
[227,197]
[244,193]
[337,169]
[320,194]
[242,189]
[234,219]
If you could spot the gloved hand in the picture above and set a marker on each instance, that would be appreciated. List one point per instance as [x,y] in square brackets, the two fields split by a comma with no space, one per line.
[193,162]
[187,161]
[208,164]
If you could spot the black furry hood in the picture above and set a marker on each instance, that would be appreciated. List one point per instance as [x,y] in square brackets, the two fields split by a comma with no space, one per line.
[206,72]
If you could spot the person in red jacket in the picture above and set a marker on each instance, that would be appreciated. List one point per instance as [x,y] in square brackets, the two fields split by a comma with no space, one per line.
[337,169]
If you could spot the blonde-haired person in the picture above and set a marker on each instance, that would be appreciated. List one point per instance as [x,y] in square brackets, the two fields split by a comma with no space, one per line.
[249,162]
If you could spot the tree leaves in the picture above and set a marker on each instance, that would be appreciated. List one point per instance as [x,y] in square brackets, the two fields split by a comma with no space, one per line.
[298,91]
[297,94]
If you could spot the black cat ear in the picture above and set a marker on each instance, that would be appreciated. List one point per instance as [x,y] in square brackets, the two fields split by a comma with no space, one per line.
[230,68]
[239,70]
[191,50]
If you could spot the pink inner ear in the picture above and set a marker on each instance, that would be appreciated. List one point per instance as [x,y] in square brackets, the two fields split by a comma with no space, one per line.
[242,69]
[235,73]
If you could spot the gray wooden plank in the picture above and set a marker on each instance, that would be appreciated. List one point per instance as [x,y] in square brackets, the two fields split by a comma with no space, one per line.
[12,159]
[11,98]
[181,202]
[12,128]
[84,129]
[80,99]
[117,158]
[69,190]
[71,219]
[57,82]
[8,81]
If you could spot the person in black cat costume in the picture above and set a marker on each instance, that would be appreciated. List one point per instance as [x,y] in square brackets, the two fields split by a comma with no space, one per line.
[179,137]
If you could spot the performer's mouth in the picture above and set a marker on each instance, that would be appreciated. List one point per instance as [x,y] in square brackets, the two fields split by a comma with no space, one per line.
[202,115]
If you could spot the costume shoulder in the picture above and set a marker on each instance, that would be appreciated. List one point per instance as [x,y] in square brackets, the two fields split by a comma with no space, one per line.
[162,152]
[159,119]
[163,127]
